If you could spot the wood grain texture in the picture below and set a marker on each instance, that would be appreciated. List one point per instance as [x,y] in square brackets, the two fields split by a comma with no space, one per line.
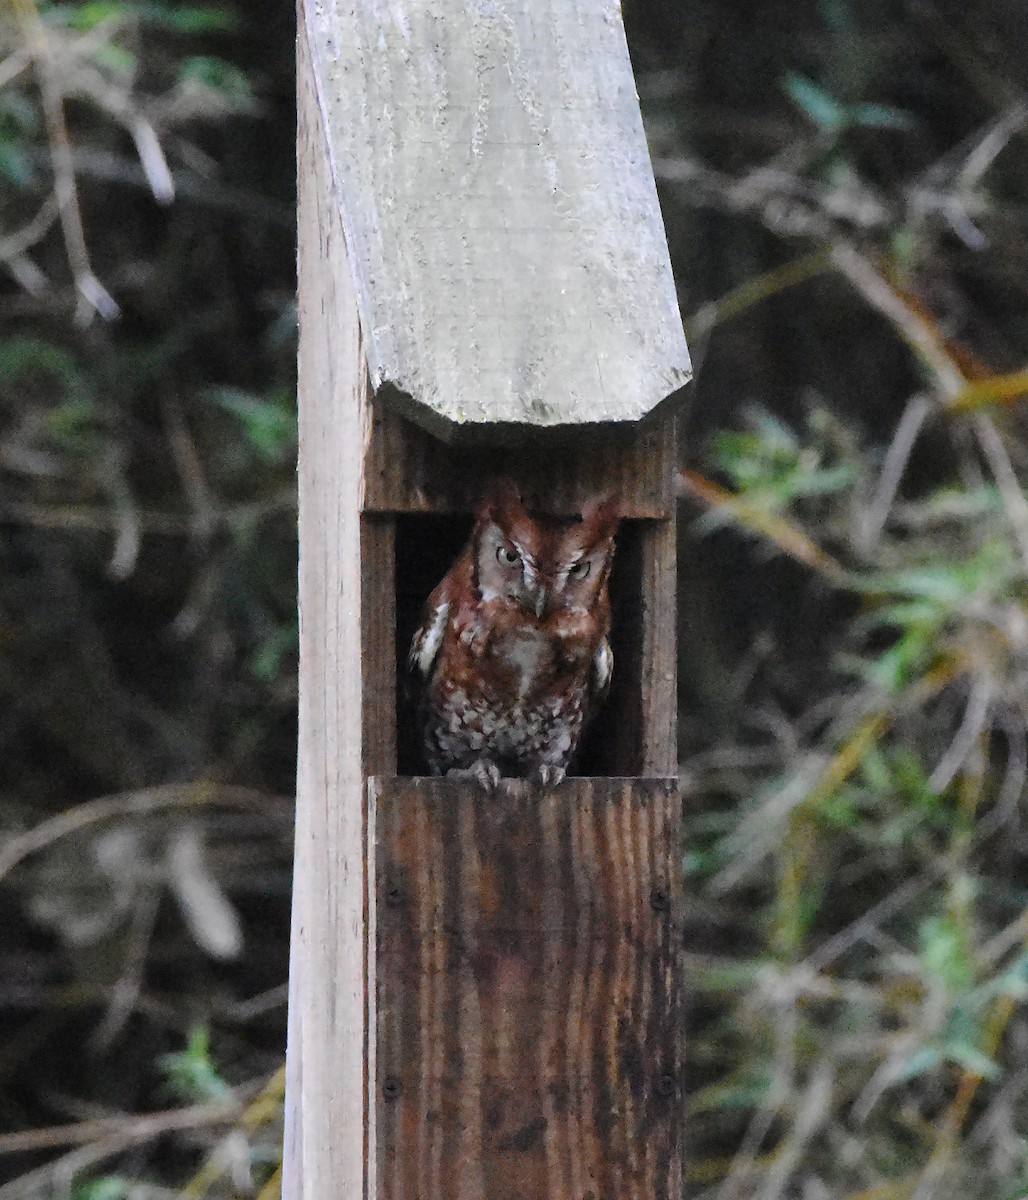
[658,682]
[528,991]
[378,630]
[500,210]
[409,471]
[325,1151]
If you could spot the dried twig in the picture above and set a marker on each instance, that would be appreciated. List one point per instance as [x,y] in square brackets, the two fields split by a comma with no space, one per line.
[917,332]
[995,389]
[975,716]
[872,520]
[813,1110]
[785,536]
[101,1140]
[137,803]
[93,296]
[263,1109]
[753,291]
[90,517]
[1010,489]
[950,380]
[14,246]
[122,997]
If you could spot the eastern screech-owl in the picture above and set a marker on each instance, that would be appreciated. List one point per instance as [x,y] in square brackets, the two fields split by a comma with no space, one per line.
[512,654]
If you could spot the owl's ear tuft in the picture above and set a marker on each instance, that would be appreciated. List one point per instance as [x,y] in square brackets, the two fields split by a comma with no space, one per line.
[600,516]
[502,503]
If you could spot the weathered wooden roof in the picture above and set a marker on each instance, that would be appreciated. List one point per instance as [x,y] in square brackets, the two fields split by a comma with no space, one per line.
[500,209]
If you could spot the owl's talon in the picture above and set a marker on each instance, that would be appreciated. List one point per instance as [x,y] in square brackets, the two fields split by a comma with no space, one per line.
[546,776]
[485,772]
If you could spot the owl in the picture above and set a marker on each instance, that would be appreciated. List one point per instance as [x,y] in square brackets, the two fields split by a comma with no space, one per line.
[512,658]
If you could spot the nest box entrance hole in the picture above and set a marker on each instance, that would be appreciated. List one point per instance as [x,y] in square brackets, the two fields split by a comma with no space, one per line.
[419,497]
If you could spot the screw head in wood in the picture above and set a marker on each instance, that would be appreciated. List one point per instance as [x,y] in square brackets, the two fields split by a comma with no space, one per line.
[660,901]
[391,1088]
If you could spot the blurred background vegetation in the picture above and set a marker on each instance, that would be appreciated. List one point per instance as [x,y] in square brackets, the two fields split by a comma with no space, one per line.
[845,188]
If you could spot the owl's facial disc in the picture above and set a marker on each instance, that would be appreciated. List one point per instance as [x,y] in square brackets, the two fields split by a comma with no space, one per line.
[505,568]
[543,565]
[517,564]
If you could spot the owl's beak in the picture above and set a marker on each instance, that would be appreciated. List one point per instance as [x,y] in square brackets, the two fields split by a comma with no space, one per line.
[540,601]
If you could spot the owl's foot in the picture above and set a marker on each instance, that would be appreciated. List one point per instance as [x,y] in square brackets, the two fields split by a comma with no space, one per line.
[484,771]
[547,776]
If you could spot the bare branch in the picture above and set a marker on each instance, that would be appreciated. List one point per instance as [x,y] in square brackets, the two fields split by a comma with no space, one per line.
[93,296]
[872,521]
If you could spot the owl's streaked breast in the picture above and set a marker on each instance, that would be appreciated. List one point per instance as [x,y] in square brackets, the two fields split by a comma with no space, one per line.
[525,652]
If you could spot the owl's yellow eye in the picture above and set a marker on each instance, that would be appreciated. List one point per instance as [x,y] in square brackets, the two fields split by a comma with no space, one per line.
[508,557]
[580,569]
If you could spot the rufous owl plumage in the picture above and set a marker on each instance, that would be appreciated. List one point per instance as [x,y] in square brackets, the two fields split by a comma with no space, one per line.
[512,656]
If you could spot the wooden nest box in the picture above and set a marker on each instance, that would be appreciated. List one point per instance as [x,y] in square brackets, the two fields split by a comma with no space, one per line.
[484,990]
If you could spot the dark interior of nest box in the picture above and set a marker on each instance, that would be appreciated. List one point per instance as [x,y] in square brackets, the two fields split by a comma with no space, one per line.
[426,546]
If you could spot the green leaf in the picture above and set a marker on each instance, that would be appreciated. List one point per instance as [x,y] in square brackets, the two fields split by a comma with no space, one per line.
[949,584]
[269,425]
[1017,1190]
[902,662]
[818,104]
[771,468]
[880,116]
[945,952]
[839,809]
[911,779]
[924,614]
[942,582]
[266,663]
[74,424]
[16,164]
[19,112]
[107,1187]
[971,1059]
[825,481]
[29,359]
[89,16]
[217,75]
[727,976]
[875,770]
[922,1060]
[1013,981]
[736,1095]
[962,1053]
[188,20]
[904,245]
[191,1073]
[192,19]
[115,58]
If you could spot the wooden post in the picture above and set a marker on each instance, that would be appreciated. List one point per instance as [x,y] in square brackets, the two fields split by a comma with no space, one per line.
[328,1029]
[484,992]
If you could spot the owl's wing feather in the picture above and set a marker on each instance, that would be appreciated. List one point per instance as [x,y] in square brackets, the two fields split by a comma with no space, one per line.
[424,647]
[602,671]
